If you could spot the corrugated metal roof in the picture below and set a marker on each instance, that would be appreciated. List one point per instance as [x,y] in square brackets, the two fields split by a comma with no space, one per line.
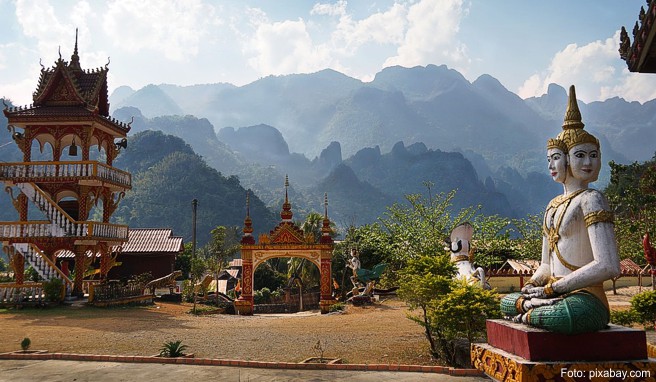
[142,240]
[524,265]
[233,272]
[628,265]
[235,263]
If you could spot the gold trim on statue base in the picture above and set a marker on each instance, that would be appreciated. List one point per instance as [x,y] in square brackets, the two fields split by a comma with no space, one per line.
[503,366]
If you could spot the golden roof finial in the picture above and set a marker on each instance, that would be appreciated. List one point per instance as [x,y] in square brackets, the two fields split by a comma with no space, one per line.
[325,205]
[573,133]
[573,114]
[248,223]
[325,228]
[286,213]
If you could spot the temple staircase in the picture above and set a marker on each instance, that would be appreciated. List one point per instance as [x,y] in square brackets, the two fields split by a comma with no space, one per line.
[61,225]
[45,267]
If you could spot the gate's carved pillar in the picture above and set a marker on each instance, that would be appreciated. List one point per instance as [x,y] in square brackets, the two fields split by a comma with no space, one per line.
[244,304]
[326,283]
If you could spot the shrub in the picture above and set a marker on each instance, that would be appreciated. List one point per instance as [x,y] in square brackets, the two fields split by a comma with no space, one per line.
[53,290]
[624,317]
[262,296]
[187,291]
[644,304]
[172,349]
[25,344]
[338,307]
[32,275]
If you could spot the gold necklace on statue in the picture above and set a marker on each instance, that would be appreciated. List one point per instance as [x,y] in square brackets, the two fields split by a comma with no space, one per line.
[551,233]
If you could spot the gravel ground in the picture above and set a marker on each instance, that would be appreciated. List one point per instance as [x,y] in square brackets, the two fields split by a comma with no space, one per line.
[376,334]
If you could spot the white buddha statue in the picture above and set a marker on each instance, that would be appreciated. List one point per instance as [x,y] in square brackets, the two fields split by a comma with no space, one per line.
[579,251]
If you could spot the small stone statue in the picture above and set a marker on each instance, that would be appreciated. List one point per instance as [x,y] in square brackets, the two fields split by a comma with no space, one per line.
[459,244]
[354,264]
[579,251]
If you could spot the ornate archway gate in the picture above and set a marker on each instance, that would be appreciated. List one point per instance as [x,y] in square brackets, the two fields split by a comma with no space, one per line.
[286,240]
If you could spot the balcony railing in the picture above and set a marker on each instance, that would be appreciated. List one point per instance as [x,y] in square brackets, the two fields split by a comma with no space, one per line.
[57,171]
[15,231]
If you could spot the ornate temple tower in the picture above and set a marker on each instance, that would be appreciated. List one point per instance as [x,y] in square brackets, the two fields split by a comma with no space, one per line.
[69,118]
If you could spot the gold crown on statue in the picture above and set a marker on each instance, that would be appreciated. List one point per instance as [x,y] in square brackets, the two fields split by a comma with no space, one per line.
[555,143]
[573,133]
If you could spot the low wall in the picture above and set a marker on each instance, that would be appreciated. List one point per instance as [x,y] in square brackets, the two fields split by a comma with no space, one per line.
[508,284]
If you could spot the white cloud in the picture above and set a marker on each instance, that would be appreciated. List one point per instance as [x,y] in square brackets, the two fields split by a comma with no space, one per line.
[596,71]
[285,47]
[381,28]
[174,28]
[431,36]
[337,9]
[633,87]
[38,20]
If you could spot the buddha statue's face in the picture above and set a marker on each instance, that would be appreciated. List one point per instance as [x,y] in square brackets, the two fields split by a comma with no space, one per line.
[557,164]
[585,162]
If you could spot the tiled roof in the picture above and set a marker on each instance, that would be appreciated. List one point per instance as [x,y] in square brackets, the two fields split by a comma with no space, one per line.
[63,113]
[141,240]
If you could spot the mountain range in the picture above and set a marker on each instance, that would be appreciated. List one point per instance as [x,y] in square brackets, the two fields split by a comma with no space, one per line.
[408,122]
[368,144]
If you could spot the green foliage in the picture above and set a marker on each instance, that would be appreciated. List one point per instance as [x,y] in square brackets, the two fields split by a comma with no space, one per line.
[172,349]
[644,305]
[463,311]
[163,188]
[632,195]
[223,246]
[338,307]
[411,238]
[626,317]
[53,290]
[25,344]
[267,277]
[419,228]
[262,296]
[187,291]
[3,265]
[497,239]
[32,275]
[183,260]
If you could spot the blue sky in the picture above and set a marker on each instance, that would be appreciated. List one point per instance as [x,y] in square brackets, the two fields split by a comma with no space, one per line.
[524,44]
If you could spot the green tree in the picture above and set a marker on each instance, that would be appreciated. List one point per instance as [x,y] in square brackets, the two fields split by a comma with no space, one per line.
[632,196]
[411,239]
[183,260]
[222,247]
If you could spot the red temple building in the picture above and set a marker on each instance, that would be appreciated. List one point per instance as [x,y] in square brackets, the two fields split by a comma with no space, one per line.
[69,142]
[640,56]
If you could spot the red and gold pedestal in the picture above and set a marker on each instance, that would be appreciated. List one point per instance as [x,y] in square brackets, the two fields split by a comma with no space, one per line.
[517,353]
[244,307]
[325,305]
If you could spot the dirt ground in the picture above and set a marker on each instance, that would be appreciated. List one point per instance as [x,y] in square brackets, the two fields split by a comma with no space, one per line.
[376,334]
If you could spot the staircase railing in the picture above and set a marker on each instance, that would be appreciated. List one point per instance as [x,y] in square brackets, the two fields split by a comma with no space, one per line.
[42,264]
[53,212]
